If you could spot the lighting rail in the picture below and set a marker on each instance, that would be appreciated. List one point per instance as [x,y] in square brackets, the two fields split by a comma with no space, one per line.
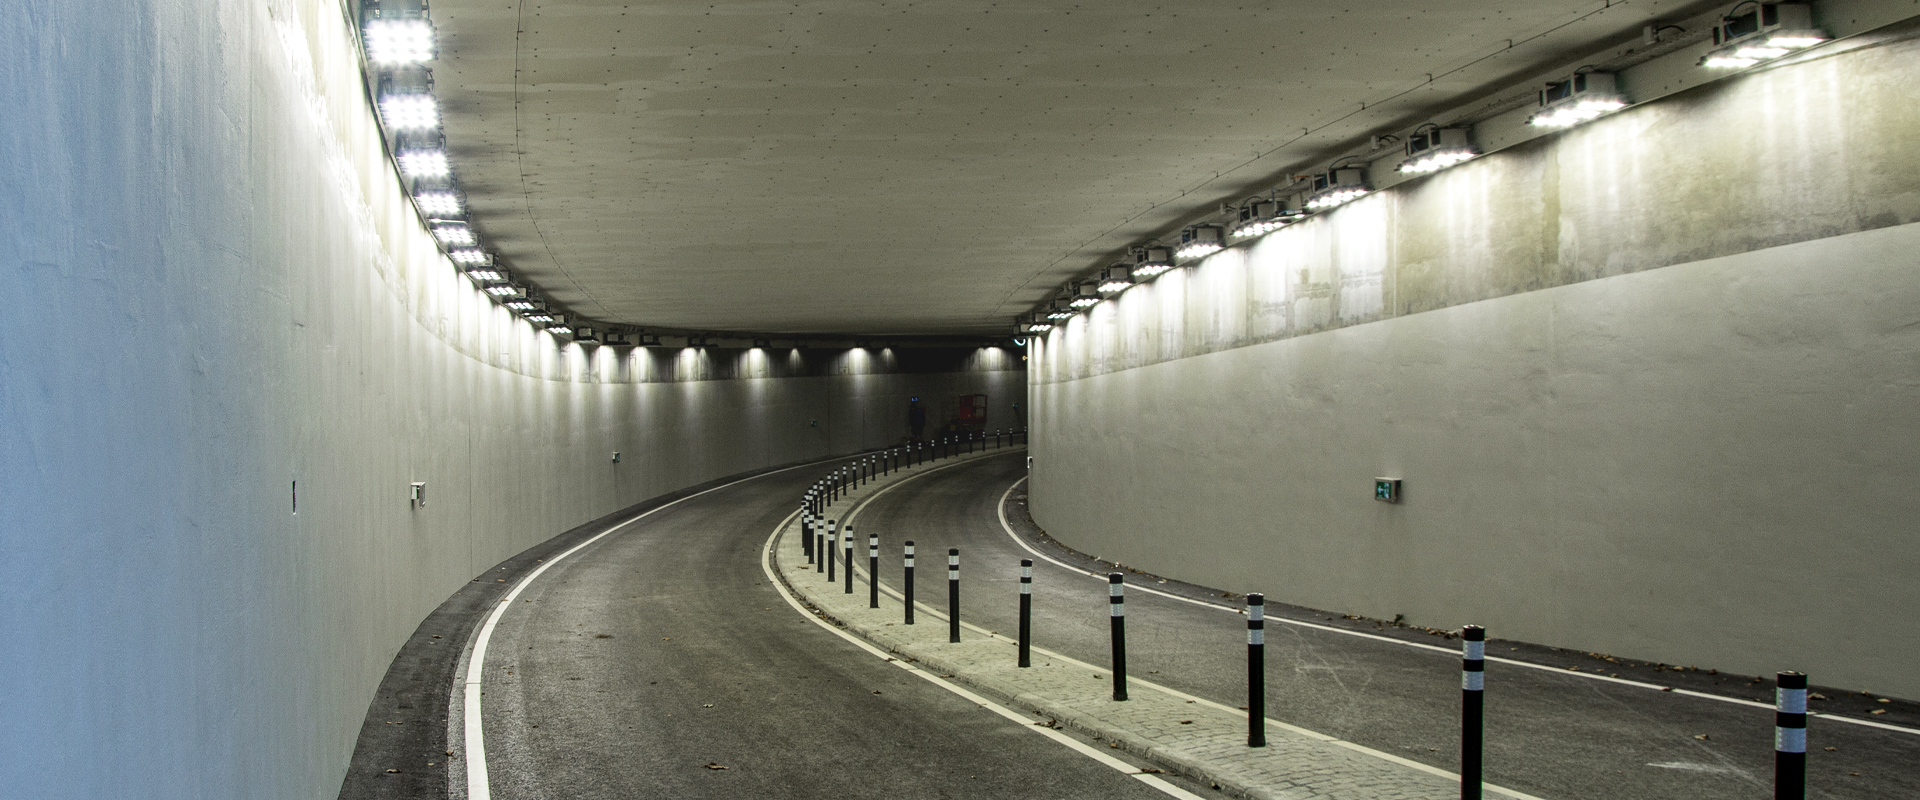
[1748,34]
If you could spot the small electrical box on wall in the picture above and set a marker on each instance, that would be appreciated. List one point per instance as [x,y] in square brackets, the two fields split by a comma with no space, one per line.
[1386,490]
[417,494]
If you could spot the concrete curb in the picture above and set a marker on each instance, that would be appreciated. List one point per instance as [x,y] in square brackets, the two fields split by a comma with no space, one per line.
[1210,746]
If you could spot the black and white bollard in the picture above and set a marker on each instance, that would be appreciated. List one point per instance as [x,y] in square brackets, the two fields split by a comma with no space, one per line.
[833,541]
[873,570]
[1790,736]
[846,539]
[1026,612]
[1256,670]
[1117,612]
[953,594]
[806,534]
[906,559]
[1473,681]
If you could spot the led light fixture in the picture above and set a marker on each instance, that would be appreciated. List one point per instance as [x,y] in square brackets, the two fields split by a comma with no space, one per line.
[653,339]
[1200,240]
[617,339]
[403,112]
[558,328]
[1755,32]
[442,205]
[524,305]
[398,34]
[422,155]
[406,99]
[764,344]
[1115,279]
[470,255]
[540,317]
[1257,218]
[486,275]
[699,341]
[453,232]
[1581,97]
[1337,186]
[1149,260]
[504,290]
[1086,294]
[585,335]
[1061,307]
[1432,148]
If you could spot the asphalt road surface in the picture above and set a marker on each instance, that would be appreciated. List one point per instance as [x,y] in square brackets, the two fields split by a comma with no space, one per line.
[643,664]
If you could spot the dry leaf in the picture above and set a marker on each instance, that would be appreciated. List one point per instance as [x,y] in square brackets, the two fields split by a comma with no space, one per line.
[712,765]
[1701,737]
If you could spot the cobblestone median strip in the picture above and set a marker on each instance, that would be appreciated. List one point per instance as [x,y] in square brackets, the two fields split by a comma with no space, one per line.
[1187,735]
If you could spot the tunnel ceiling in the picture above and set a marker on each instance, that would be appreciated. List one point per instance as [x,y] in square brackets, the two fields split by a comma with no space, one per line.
[923,167]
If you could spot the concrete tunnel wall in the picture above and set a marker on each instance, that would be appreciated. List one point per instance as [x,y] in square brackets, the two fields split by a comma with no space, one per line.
[1651,386]
[219,290]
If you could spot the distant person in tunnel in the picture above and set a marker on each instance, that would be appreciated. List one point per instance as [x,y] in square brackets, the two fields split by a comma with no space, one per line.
[916,417]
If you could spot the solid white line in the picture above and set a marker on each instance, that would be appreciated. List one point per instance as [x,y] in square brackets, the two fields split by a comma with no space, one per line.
[475,740]
[779,585]
[1001,509]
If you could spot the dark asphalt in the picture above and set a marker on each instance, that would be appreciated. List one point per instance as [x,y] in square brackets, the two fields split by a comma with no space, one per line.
[1549,734]
[631,667]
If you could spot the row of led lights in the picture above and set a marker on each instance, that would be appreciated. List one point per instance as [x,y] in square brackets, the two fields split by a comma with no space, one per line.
[400,40]
[1752,32]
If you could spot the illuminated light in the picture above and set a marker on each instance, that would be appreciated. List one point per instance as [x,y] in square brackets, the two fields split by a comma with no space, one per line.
[522,304]
[424,163]
[1116,278]
[405,112]
[399,41]
[1755,32]
[540,317]
[486,275]
[1579,98]
[1200,240]
[505,290]
[559,328]
[469,256]
[453,233]
[1258,218]
[438,204]
[584,335]
[1086,295]
[1337,186]
[1150,260]
[1434,149]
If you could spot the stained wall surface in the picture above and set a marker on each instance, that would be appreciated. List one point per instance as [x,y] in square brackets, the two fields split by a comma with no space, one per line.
[1651,386]
[222,303]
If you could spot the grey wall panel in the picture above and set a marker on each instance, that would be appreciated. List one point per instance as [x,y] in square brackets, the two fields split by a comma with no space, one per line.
[217,290]
[1704,464]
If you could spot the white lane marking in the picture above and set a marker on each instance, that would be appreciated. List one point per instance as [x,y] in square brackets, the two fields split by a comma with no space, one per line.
[1001,509]
[779,585]
[474,740]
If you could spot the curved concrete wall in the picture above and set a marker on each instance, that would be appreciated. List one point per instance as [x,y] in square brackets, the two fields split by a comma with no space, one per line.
[217,290]
[1651,386]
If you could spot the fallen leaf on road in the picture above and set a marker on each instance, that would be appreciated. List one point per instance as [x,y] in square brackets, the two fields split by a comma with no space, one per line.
[711,765]
[1701,737]
[1152,771]
[1878,711]
[1186,722]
